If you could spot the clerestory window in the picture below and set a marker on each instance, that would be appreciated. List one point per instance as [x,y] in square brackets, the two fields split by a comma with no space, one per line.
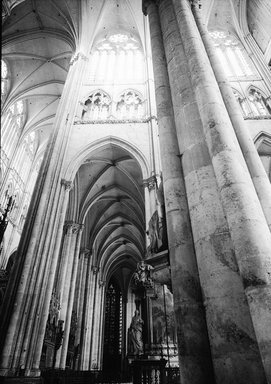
[232,54]
[117,59]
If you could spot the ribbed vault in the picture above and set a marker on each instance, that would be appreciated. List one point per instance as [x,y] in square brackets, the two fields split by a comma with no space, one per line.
[110,200]
[39,38]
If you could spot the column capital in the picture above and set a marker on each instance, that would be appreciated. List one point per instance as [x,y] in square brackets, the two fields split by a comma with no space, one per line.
[151,183]
[85,252]
[68,226]
[67,184]
[77,56]
[77,228]
[101,283]
[95,269]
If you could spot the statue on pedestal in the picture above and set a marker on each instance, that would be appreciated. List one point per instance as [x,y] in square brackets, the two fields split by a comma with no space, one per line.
[135,340]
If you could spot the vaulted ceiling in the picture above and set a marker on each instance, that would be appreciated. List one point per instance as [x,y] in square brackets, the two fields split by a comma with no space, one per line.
[38,40]
[108,198]
[39,37]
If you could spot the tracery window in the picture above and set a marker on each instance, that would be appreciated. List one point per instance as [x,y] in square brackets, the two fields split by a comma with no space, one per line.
[16,113]
[258,103]
[117,59]
[129,105]
[96,106]
[242,103]
[232,54]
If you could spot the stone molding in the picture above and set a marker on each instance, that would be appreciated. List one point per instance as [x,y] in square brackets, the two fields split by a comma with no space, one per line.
[116,121]
[72,228]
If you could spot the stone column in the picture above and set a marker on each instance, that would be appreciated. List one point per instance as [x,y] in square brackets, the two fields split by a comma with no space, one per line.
[248,228]
[84,254]
[64,259]
[65,275]
[87,316]
[77,230]
[26,297]
[33,359]
[194,353]
[80,306]
[227,311]
[96,334]
[251,156]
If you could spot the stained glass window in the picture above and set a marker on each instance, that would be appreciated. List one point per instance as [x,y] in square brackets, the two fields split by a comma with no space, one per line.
[117,58]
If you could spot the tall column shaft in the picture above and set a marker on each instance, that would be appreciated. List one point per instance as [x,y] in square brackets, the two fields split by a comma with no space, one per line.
[65,276]
[25,293]
[80,304]
[249,231]
[87,316]
[96,334]
[64,259]
[67,323]
[226,310]
[251,156]
[37,342]
[194,353]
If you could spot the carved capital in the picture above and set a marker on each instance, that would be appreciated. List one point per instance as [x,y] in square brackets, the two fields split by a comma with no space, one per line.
[101,283]
[77,56]
[68,227]
[85,252]
[95,269]
[151,183]
[67,184]
[76,228]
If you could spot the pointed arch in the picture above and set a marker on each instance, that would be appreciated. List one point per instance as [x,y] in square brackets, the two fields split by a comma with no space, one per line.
[84,154]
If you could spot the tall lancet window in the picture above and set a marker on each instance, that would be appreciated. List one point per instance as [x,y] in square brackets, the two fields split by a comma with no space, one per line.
[232,54]
[96,107]
[117,59]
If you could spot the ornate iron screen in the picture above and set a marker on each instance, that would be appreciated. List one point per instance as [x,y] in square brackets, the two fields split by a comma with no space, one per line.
[113,329]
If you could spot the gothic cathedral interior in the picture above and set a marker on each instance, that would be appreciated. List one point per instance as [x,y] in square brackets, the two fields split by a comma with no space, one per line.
[135,205]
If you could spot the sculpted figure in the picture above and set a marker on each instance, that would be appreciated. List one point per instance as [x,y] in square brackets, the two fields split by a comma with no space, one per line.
[143,274]
[135,334]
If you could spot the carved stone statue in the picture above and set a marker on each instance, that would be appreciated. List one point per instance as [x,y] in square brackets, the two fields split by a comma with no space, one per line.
[135,341]
[143,275]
